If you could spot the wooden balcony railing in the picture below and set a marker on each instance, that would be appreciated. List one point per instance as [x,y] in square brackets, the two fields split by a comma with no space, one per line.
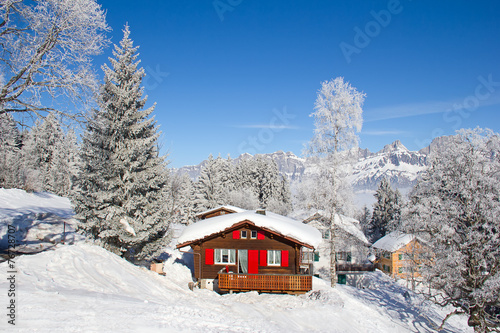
[355,267]
[265,282]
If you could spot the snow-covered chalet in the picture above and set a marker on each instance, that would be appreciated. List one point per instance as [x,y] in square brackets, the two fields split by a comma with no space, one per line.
[251,250]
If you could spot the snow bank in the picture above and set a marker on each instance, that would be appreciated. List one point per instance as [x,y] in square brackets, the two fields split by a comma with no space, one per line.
[278,223]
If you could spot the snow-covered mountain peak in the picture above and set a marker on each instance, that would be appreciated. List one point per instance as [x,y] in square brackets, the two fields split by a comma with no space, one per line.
[245,156]
[395,146]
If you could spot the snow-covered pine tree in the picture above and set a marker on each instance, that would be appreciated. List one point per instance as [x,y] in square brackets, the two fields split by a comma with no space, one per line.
[386,211]
[364,218]
[180,198]
[454,208]
[226,173]
[243,171]
[121,199]
[47,155]
[337,118]
[10,152]
[265,179]
[209,188]
[71,160]
[281,202]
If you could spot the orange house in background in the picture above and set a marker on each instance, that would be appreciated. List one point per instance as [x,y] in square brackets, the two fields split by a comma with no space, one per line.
[399,255]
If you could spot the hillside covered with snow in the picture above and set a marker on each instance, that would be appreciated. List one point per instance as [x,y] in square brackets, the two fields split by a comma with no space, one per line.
[84,288]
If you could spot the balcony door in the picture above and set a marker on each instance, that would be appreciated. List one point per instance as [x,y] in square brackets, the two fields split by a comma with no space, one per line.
[243,261]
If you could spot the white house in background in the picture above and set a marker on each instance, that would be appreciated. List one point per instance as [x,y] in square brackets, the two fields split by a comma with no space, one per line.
[351,246]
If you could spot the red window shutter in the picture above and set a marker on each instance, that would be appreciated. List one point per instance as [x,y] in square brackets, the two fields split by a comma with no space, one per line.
[236,234]
[260,234]
[209,256]
[284,258]
[263,258]
[253,261]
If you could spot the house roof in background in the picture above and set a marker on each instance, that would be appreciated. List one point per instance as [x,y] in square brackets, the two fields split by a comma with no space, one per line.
[348,224]
[227,207]
[393,241]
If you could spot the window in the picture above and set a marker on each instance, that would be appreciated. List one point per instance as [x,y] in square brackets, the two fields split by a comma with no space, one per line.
[309,257]
[253,234]
[400,270]
[400,256]
[346,256]
[386,255]
[243,234]
[273,257]
[326,234]
[224,256]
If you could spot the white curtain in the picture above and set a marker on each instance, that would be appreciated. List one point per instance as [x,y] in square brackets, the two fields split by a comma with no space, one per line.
[243,261]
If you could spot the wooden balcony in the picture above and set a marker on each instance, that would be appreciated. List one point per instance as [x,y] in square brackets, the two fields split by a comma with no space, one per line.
[354,268]
[291,284]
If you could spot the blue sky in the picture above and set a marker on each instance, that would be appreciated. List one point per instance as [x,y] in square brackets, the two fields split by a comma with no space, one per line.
[234,76]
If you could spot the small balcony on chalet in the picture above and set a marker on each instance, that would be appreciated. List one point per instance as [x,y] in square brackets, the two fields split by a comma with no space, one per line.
[349,268]
[272,283]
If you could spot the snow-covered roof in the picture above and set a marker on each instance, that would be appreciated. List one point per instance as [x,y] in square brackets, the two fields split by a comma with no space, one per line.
[351,226]
[393,241]
[271,221]
[228,207]
[348,224]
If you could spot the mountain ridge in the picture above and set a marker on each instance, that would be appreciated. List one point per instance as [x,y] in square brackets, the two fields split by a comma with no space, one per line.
[394,161]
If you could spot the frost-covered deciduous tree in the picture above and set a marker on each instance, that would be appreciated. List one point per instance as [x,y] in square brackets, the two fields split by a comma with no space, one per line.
[455,209]
[46,50]
[121,199]
[244,198]
[337,118]
[386,215]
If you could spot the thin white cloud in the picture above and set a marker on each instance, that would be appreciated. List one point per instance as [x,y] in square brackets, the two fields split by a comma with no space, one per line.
[268,126]
[381,133]
[418,109]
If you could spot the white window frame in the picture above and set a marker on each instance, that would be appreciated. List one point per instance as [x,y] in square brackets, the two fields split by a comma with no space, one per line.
[219,256]
[273,257]
[252,233]
[241,234]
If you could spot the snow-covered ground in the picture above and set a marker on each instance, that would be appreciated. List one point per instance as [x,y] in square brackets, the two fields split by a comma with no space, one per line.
[41,220]
[84,288]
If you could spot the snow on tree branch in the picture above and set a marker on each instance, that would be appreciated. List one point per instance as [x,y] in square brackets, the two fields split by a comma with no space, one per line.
[46,50]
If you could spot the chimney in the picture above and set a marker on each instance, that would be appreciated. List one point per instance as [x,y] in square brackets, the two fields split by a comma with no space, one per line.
[261,211]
